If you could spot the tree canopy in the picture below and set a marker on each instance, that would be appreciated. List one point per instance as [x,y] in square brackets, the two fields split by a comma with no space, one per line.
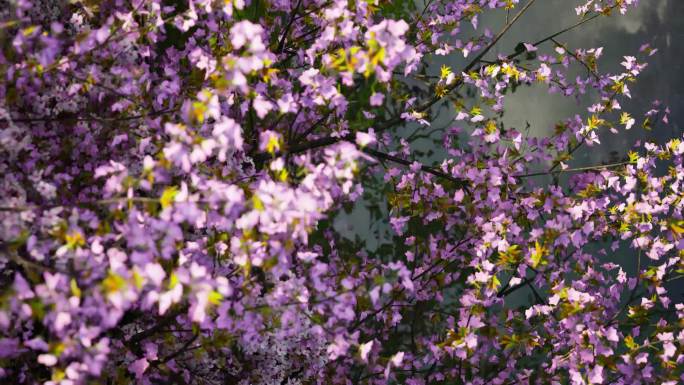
[172,173]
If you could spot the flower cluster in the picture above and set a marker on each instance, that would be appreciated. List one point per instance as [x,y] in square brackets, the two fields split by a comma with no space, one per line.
[173,172]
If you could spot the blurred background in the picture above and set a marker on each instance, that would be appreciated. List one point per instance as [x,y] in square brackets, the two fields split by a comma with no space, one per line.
[657,22]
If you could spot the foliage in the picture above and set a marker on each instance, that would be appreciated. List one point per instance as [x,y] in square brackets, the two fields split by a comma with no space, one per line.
[172,172]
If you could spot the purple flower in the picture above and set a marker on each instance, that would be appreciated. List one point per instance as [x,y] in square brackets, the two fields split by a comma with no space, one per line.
[376,99]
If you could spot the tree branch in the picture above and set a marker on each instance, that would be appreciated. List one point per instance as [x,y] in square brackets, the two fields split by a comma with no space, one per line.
[578,169]
[424,168]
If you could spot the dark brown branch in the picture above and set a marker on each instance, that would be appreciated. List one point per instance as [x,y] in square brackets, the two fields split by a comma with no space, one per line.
[180,351]
[505,291]
[424,168]
[133,343]
[281,43]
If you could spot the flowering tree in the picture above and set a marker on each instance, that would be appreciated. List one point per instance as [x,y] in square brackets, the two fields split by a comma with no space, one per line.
[171,170]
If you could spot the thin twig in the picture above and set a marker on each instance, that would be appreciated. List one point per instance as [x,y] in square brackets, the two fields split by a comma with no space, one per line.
[281,43]
[578,169]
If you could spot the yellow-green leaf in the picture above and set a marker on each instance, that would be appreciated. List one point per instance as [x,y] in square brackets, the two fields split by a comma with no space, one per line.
[214,297]
[168,196]
[537,254]
[113,283]
[173,281]
[629,342]
[445,71]
[494,283]
[74,239]
[75,290]
[633,156]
